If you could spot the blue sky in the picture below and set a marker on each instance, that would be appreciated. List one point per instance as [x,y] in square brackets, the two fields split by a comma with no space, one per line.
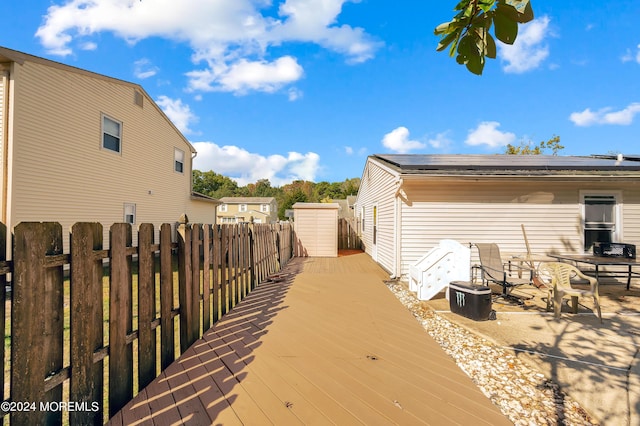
[306,89]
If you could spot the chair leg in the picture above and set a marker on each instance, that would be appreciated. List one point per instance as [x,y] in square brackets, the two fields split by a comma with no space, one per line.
[574,304]
[596,302]
[557,303]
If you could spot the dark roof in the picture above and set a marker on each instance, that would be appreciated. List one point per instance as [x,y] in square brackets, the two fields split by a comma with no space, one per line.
[247,200]
[510,164]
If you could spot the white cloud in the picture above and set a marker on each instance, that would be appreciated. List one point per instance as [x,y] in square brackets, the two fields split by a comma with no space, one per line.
[143,68]
[624,117]
[529,50]
[348,150]
[179,113]
[398,141]
[232,37]
[246,167]
[487,133]
[243,76]
[632,56]
[440,141]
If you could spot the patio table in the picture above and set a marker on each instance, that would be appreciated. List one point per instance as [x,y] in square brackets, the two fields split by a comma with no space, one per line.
[597,261]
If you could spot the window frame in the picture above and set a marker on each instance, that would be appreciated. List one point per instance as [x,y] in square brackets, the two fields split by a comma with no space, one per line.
[242,207]
[264,208]
[616,224]
[103,132]
[223,208]
[125,213]
[176,161]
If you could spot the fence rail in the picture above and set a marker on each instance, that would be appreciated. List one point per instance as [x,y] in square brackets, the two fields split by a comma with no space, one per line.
[116,312]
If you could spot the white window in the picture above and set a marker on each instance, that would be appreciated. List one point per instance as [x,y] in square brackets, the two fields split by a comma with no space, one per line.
[111,134]
[600,218]
[130,213]
[178,160]
[264,208]
[222,208]
[243,208]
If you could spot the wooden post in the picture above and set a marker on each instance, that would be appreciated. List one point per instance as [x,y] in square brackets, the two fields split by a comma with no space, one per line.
[206,277]
[146,305]
[36,321]
[86,322]
[215,254]
[120,318]
[223,270]
[194,319]
[252,257]
[233,251]
[185,286]
[167,329]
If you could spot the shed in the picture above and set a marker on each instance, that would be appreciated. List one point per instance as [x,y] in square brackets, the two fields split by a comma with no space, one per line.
[316,229]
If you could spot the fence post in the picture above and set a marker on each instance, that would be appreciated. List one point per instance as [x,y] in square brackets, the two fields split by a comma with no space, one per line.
[206,277]
[184,281]
[194,319]
[120,318]
[252,257]
[167,336]
[216,254]
[224,270]
[86,322]
[36,321]
[146,306]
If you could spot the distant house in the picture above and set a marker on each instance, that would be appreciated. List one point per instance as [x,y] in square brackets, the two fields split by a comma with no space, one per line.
[346,207]
[407,203]
[79,146]
[248,209]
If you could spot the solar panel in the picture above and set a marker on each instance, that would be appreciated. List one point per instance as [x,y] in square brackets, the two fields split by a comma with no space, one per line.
[507,162]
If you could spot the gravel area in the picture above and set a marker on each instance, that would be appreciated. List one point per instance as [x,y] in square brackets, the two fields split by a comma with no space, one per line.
[523,394]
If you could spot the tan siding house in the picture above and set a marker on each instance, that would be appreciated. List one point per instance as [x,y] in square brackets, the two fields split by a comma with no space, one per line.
[79,146]
[248,209]
[565,203]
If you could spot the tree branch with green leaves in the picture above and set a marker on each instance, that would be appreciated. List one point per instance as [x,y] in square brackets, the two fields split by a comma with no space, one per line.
[468,35]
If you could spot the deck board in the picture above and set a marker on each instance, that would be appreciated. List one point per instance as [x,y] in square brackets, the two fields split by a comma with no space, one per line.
[328,345]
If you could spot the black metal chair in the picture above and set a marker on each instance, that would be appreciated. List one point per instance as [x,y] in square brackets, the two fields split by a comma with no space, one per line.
[505,274]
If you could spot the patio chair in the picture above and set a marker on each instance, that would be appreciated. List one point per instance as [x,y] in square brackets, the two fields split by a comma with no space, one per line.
[561,275]
[507,275]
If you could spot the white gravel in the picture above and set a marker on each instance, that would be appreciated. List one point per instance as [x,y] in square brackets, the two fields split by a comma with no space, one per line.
[523,394]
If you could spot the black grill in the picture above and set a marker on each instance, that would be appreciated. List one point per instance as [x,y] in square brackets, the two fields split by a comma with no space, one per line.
[614,250]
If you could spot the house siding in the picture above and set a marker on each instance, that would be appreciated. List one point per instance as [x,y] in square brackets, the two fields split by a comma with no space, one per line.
[4,75]
[472,212]
[60,171]
[377,188]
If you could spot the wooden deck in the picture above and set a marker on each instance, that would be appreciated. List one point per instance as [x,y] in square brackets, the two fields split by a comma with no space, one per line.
[328,345]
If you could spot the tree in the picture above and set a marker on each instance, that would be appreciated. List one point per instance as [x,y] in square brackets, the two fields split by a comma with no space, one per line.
[468,34]
[214,185]
[528,148]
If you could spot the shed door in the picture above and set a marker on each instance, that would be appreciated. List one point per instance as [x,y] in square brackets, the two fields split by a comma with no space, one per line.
[317,232]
